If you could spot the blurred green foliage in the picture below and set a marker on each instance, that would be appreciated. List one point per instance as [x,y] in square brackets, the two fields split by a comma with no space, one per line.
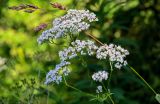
[134,24]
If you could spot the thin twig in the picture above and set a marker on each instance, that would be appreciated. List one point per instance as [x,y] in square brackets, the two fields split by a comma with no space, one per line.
[94,38]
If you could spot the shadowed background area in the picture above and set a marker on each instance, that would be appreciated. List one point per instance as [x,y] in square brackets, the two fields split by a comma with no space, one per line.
[133,24]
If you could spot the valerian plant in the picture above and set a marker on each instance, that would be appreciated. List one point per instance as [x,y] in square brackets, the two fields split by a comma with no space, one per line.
[71,24]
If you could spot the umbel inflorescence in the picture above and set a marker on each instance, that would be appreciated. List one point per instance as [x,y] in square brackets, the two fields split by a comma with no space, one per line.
[113,53]
[56,74]
[71,24]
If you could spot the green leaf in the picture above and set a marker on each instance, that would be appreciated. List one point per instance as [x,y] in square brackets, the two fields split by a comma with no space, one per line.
[157,97]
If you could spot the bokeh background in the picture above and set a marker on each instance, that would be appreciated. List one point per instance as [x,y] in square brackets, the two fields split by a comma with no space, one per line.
[133,24]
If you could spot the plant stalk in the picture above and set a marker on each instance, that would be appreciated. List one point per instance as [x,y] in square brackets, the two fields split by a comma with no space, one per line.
[109,79]
[76,88]
[142,79]
[94,38]
[109,94]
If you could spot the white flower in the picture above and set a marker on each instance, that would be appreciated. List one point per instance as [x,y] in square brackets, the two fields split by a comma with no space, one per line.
[62,64]
[99,76]
[67,53]
[114,53]
[73,22]
[45,36]
[55,76]
[78,46]
[66,71]
[99,89]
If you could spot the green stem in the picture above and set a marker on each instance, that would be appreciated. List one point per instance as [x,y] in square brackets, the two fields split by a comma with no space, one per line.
[111,65]
[109,79]
[76,88]
[104,87]
[142,79]
[111,99]
[109,94]
[71,37]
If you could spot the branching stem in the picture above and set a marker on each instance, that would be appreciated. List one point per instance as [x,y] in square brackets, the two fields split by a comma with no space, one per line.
[68,85]
[109,94]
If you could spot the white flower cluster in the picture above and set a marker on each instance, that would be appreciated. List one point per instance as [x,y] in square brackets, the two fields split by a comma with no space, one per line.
[99,76]
[99,89]
[82,47]
[66,71]
[55,75]
[114,53]
[78,46]
[73,22]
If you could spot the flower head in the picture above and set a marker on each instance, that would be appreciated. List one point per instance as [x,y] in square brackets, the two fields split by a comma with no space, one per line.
[99,89]
[78,46]
[99,76]
[114,53]
[55,76]
[73,22]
